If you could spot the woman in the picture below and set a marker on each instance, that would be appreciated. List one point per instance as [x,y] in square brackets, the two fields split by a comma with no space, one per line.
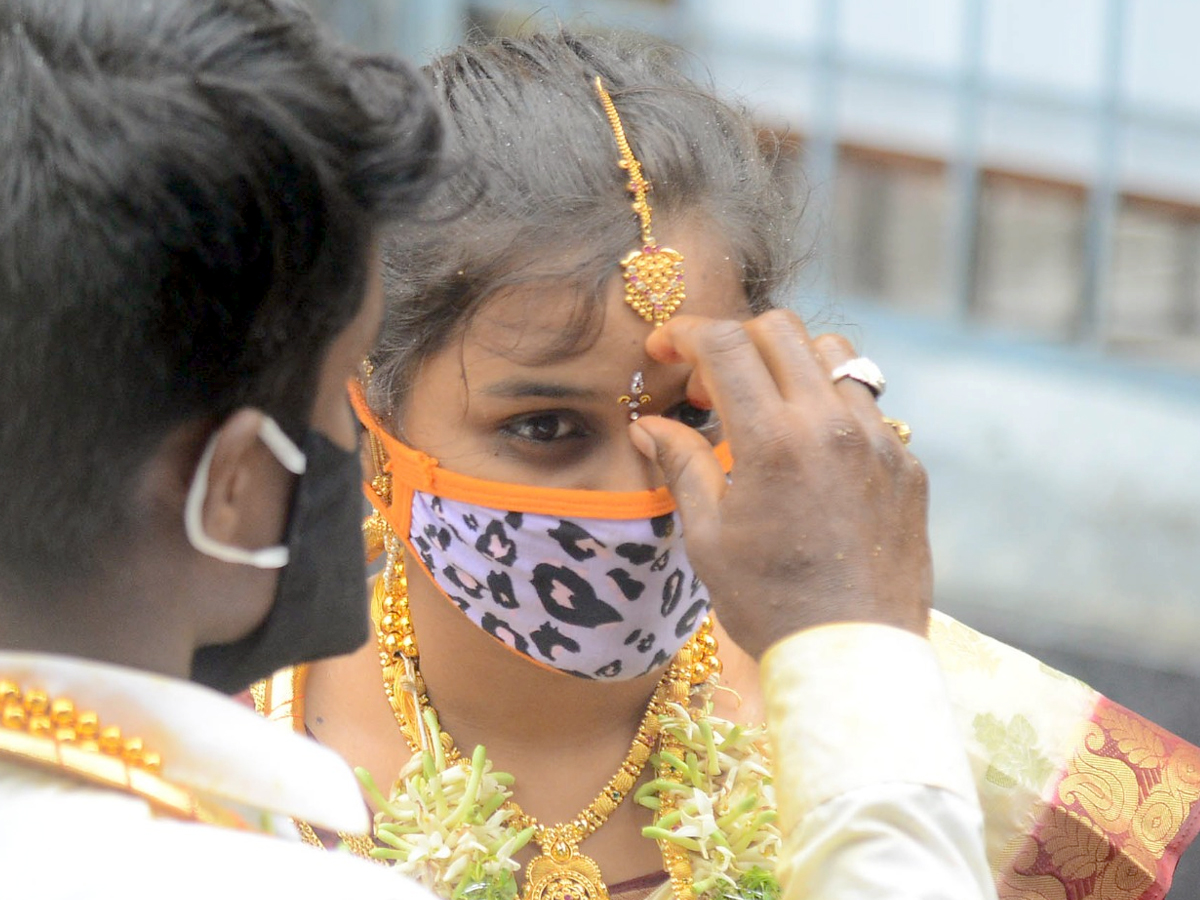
[516,481]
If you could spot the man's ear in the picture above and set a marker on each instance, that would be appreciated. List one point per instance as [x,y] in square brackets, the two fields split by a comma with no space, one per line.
[249,491]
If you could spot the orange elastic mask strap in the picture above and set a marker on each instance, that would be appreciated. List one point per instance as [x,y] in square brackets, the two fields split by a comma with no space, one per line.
[421,472]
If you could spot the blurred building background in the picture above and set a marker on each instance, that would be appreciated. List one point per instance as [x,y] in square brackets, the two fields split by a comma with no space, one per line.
[1005,214]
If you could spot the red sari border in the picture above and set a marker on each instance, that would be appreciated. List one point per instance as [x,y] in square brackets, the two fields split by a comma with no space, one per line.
[1123,811]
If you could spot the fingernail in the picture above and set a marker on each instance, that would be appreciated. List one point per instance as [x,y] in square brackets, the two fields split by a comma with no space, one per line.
[643,441]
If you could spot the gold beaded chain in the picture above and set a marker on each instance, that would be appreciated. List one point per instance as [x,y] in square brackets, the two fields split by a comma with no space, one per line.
[638,185]
[52,733]
[561,870]
[653,274]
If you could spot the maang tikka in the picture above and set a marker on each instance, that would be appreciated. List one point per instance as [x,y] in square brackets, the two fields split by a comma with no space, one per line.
[653,274]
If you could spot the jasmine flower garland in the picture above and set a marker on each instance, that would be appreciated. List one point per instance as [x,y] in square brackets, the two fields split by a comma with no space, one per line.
[723,810]
[448,823]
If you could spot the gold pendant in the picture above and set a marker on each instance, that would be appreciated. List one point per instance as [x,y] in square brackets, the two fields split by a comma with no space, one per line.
[563,873]
[654,282]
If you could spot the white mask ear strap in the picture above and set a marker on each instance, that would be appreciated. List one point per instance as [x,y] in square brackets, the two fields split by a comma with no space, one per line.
[277,441]
[290,457]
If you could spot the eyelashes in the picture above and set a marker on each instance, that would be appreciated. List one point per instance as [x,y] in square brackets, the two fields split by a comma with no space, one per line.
[544,428]
[551,428]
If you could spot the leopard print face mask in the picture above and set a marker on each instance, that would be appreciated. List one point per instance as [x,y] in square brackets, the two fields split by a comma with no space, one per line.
[596,584]
[598,598]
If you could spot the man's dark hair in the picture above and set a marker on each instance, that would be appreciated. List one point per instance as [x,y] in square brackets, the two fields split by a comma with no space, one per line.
[189,190]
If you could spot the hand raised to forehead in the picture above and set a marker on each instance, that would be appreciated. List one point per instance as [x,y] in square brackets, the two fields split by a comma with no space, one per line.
[824,518]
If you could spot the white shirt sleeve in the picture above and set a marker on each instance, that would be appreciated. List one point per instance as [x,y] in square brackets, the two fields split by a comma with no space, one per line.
[875,795]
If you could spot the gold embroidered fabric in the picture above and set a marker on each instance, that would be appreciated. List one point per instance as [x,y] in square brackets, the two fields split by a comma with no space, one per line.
[1083,799]
[1127,796]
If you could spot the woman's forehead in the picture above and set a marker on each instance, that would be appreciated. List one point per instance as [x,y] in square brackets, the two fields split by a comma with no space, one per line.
[547,320]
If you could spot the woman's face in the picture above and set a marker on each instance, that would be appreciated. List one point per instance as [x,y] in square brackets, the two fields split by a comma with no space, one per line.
[484,407]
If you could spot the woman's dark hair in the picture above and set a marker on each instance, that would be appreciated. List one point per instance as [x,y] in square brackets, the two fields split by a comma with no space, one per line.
[540,195]
[189,195]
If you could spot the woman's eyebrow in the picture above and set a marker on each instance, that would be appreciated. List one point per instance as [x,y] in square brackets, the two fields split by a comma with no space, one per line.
[520,388]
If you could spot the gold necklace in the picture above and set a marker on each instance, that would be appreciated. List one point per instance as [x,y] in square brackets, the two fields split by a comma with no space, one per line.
[561,872]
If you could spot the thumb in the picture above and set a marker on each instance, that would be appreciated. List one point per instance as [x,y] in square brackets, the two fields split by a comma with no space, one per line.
[693,473]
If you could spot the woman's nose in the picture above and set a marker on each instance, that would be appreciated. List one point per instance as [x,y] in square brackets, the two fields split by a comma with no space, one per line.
[628,470]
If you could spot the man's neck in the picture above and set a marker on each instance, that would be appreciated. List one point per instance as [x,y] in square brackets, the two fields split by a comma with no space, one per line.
[100,627]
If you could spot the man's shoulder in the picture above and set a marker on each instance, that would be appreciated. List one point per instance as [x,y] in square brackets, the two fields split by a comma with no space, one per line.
[60,836]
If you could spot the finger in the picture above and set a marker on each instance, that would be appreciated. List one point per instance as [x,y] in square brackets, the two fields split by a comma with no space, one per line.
[693,474]
[784,345]
[788,352]
[729,370]
[834,350]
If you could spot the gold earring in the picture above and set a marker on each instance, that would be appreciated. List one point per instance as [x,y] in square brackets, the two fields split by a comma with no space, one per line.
[375,526]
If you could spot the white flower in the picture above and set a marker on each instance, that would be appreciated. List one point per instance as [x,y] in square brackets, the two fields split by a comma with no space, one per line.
[434,827]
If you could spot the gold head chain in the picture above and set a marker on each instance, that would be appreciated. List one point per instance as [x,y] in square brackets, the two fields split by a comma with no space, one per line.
[653,274]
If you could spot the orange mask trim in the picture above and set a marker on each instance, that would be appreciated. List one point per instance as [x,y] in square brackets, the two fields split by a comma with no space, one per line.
[419,471]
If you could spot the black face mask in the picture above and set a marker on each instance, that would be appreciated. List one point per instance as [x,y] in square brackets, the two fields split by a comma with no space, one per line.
[321,606]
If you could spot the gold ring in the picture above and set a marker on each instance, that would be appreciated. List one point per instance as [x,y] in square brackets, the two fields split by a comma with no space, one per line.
[900,427]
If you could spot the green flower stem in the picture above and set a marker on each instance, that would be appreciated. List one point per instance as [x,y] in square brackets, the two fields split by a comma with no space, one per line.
[435,734]
[400,830]
[493,803]
[471,792]
[376,795]
[661,834]
[656,786]
[763,818]
[670,820]
[672,760]
[441,804]
[645,792]
[392,855]
[394,840]
[720,840]
[743,806]
[513,844]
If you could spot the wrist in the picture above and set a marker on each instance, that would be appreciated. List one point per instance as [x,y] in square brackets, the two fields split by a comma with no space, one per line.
[757,637]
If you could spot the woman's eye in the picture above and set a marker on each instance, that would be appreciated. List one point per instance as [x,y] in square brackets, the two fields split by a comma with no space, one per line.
[543,428]
[703,420]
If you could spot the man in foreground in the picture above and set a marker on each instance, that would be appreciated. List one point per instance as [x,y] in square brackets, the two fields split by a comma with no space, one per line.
[191,192]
